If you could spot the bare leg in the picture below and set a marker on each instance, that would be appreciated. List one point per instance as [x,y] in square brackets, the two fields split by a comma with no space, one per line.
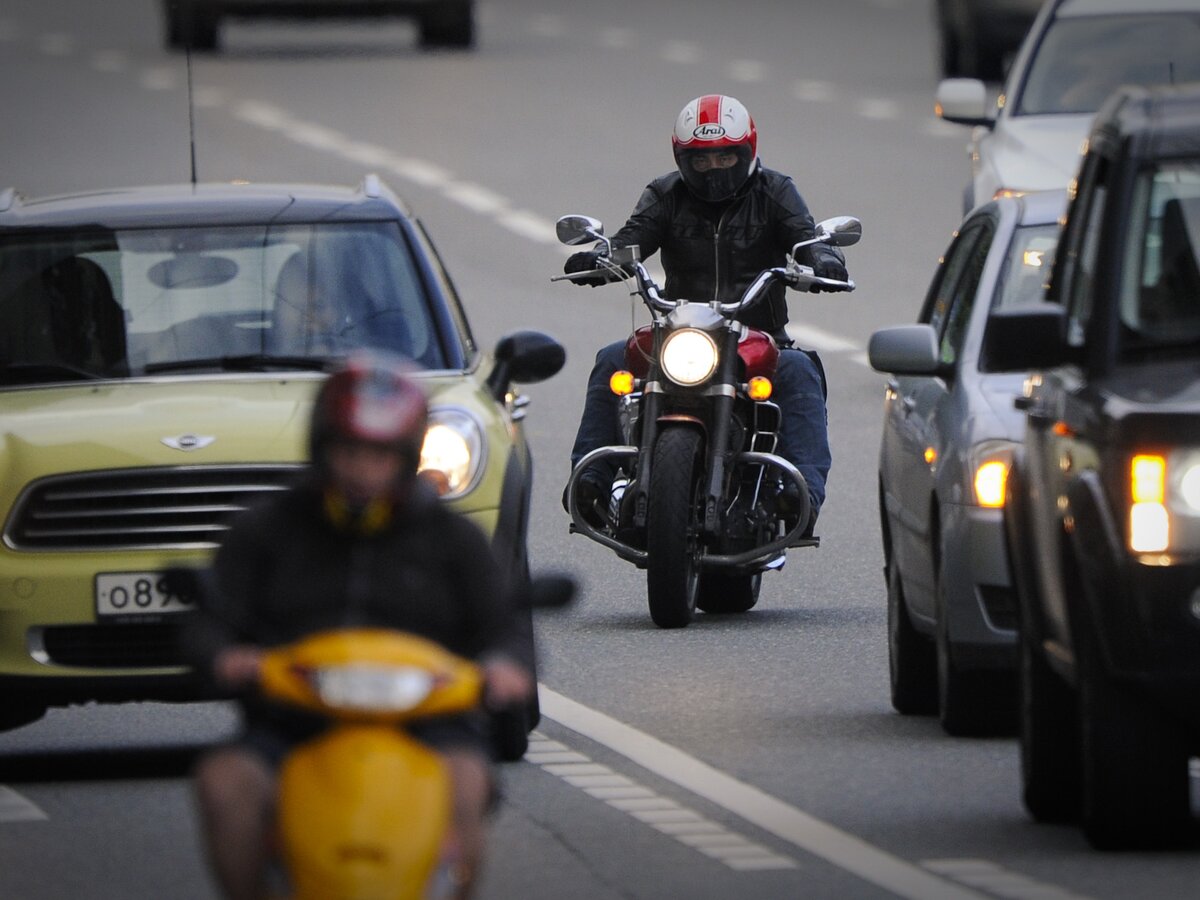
[235,790]
[472,779]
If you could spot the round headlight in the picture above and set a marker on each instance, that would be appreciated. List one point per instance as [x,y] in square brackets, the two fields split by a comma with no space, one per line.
[689,357]
[452,455]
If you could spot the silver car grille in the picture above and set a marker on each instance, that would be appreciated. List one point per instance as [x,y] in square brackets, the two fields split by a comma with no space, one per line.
[184,507]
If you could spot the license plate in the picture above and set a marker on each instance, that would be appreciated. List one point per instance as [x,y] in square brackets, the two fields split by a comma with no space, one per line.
[135,594]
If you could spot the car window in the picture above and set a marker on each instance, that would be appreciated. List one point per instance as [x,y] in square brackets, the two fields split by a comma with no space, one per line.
[1027,266]
[1081,60]
[952,295]
[139,301]
[1160,284]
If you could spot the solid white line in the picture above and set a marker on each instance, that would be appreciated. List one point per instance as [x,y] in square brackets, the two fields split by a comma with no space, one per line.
[754,805]
[15,808]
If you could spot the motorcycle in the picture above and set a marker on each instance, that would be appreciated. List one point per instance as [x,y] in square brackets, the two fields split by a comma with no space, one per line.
[694,497]
[364,809]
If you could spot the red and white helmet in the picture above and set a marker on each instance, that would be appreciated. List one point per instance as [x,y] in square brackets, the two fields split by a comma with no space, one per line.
[715,122]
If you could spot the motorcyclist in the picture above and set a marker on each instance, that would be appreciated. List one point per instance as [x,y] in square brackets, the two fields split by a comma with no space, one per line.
[719,220]
[361,541]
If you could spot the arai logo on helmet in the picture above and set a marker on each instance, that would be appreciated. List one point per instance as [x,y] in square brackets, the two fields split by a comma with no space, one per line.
[709,132]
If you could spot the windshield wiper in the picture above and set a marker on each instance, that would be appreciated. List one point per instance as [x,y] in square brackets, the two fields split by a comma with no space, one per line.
[36,372]
[253,362]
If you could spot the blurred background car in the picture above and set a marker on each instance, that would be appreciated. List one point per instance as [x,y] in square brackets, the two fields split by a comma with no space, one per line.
[159,352]
[949,430]
[1076,53]
[976,37]
[196,24]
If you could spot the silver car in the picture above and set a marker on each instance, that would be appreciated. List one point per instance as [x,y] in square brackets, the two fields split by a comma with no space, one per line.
[1075,54]
[949,430]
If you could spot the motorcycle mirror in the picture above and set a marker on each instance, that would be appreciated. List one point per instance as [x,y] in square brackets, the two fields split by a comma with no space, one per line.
[842,230]
[572,230]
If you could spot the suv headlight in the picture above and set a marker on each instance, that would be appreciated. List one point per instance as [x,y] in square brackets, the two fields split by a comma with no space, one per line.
[453,453]
[689,357]
[989,464]
[1164,493]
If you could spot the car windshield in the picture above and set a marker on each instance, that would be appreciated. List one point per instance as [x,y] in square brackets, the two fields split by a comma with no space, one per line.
[104,304]
[1082,60]
[1160,285]
[1027,266]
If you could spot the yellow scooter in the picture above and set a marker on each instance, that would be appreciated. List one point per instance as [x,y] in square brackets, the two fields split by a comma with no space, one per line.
[364,809]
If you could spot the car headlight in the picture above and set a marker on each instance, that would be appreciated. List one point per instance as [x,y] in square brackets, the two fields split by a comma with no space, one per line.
[989,463]
[689,357]
[453,451]
[1164,493]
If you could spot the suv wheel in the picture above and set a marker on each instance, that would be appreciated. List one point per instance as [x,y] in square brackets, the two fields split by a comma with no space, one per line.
[911,662]
[1135,766]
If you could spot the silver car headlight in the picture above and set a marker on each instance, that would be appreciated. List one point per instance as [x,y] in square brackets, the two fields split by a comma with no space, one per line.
[990,462]
[1164,492]
[452,455]
[689,357]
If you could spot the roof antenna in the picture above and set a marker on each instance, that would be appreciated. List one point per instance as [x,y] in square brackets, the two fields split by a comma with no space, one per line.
[191,111]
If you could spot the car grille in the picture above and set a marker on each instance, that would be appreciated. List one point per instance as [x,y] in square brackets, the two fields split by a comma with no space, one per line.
[188,506]
[150,645]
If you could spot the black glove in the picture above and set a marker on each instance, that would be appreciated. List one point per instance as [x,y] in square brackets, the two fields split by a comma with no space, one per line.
[584,261]
[829,267]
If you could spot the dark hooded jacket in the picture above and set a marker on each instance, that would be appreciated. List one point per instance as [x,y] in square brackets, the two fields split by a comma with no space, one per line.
[715,250]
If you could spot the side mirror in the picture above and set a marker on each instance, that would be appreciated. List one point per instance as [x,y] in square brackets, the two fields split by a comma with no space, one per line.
[963,101]
[573,230]
[842,231]
[524,357]
[905,350]
[1024,338]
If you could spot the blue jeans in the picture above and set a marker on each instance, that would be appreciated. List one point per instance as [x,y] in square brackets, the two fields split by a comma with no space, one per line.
[799,391]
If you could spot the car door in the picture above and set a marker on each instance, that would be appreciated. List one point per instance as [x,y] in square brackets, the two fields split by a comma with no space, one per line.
[922,412]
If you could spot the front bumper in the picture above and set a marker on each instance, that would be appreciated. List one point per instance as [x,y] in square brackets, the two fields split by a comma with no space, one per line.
[980,602]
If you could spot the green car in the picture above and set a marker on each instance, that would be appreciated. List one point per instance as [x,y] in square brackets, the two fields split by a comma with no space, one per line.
[159,352]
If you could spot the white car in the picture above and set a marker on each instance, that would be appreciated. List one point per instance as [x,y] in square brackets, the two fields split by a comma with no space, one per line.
[1074,55]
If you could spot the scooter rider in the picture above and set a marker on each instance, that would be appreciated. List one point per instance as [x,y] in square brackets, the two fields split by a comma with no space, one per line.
[719,220]
[362,541]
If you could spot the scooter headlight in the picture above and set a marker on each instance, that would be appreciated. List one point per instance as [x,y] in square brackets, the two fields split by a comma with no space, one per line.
[372,688]
[689,357]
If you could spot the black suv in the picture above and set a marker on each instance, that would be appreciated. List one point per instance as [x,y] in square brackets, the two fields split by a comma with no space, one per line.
[1103,519]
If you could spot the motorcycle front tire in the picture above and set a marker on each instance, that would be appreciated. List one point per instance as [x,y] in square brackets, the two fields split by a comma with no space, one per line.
[672,568]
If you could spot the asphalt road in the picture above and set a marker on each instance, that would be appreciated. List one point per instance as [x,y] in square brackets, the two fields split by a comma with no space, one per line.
[750,756]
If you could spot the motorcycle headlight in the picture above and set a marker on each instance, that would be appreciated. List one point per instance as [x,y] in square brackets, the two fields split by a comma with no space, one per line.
[989,465]
[372,688]
[689,357]
[1164,493]
[452,455]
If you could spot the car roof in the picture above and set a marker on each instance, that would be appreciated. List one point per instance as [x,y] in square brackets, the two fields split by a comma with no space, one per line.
[1068,8]
[1161,121]
[1042,207]
[182,205]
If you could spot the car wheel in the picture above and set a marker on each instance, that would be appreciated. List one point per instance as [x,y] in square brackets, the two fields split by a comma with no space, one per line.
[1049,733]
[970,703]
[191,25]
[720,593]
[449,25]
[1135,764]
[912,664]
[14,714]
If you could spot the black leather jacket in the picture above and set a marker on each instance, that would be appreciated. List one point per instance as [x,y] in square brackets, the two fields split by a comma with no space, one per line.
[715,250]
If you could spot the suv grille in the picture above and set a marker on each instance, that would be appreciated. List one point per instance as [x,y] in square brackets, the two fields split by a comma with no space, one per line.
[188,506]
